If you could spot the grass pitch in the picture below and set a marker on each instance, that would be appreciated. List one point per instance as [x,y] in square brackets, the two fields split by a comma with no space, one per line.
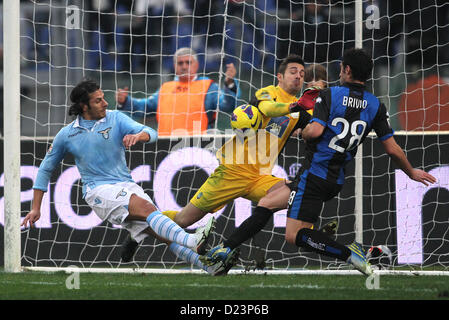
[98,286]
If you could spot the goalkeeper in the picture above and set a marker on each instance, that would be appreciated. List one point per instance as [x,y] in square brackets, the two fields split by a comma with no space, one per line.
[282,114]
[315,76]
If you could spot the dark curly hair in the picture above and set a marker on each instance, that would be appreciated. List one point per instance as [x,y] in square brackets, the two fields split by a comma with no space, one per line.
[293,58]
[360,62]
[80,96]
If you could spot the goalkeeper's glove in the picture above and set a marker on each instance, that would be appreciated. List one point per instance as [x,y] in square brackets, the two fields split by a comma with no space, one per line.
[307,100]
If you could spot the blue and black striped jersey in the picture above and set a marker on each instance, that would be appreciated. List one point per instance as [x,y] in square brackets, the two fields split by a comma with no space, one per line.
[348,113]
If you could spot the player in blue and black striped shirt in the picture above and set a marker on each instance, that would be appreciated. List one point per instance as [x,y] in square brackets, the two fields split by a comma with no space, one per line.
[342,118]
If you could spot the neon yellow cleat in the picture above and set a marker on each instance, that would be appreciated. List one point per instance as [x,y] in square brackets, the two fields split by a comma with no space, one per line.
[222,268]
[358,259]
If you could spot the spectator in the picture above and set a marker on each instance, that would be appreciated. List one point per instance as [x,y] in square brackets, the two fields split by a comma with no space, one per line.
[248,13]
[249,19]
[208,22]
[188,104]
[151,32]
[381,37]
[290,28]
[100,18]
[316,32]
[424,22]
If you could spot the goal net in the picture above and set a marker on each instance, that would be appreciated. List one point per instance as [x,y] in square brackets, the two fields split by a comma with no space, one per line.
[131,44]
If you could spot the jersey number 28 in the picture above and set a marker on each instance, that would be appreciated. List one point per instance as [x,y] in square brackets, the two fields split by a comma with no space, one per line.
[356,137]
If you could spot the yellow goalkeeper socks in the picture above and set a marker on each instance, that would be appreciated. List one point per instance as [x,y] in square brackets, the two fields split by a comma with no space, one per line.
[170,213]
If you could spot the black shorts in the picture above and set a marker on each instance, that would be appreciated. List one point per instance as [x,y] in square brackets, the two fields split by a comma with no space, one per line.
[309,192]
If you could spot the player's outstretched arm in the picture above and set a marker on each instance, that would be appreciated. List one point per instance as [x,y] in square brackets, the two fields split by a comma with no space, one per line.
[423,177]
[53,157]
[35,212]
[397,154]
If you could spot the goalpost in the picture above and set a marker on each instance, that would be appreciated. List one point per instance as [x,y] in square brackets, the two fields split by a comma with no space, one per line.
[11,140]
[63,41]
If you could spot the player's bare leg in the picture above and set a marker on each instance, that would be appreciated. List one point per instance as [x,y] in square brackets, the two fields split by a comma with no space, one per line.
[276,197]
[278,186]
[143,210]
[292,228]
[189,215]
[184,218]
[129,246]
[139,208]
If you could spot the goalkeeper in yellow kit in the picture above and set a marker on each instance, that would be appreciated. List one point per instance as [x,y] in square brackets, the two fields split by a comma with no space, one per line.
[282,114]
[315,77]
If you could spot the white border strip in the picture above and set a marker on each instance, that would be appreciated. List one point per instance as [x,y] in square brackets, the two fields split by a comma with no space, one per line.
[235,271]
[211,136]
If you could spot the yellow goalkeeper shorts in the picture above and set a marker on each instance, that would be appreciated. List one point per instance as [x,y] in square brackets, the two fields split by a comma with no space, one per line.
[226,184]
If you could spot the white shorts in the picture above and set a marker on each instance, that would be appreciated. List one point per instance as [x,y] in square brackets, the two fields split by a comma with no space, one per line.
[110,202]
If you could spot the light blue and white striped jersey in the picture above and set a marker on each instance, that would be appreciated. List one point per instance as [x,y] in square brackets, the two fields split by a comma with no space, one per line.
[99,152]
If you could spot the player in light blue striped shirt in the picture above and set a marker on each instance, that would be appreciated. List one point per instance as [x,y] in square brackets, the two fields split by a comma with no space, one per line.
[97,139]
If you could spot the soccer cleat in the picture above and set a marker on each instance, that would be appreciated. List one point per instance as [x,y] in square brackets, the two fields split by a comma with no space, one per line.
[358,259]
[330,228]
[216,254]
[222,268]
[203,234]
[129,248]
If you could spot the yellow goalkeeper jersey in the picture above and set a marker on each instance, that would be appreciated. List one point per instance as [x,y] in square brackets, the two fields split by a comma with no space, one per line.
[259,151]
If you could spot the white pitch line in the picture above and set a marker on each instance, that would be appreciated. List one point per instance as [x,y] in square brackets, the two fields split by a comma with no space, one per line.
[253,286]
[29,282]
[290,286]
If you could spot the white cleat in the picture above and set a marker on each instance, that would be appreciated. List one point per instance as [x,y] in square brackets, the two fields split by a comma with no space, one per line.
[202,234]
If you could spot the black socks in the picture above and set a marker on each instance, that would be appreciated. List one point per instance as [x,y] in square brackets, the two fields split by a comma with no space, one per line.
[249,227]
[319,242]
[312,240]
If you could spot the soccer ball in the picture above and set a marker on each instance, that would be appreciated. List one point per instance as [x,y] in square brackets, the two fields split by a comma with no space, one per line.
[380,256]
[246,117]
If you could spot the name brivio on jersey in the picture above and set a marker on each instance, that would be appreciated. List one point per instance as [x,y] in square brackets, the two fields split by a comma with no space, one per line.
[354,102]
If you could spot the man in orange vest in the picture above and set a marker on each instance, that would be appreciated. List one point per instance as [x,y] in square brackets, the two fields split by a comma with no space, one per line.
[188,104]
